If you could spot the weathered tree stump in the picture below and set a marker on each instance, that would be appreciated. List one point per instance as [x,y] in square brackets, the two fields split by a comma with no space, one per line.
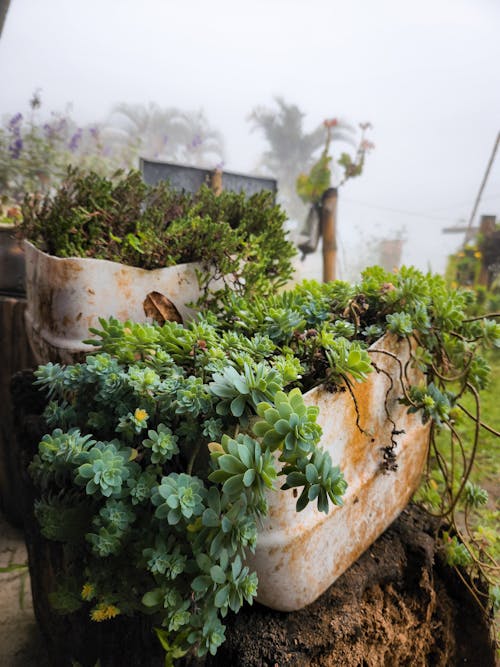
[398,605]
[15,354]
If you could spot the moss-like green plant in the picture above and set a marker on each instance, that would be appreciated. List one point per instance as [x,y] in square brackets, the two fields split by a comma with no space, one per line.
[236,239]
[166,443]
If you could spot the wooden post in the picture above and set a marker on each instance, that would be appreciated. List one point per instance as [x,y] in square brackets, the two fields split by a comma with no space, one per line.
[329,233]
[217,181]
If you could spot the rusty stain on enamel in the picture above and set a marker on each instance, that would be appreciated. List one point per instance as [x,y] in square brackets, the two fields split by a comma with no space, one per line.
[299,555]
[66,296]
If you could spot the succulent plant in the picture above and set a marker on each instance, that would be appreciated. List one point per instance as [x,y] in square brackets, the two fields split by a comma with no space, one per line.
[240,391]
[319,479]
[162,442]
[288,424]
[241,465]
[107,467]
[179,495]
[167,442]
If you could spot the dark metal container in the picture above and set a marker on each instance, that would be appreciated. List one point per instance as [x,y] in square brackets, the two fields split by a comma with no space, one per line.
[12,264]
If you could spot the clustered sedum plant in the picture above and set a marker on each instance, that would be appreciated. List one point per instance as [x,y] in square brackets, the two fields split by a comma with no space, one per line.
[165,444]
[237,239]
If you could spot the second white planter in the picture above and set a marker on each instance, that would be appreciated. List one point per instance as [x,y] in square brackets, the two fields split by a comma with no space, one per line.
[299,555]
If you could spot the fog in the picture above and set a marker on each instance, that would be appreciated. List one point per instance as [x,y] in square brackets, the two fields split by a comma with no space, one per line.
[425,74]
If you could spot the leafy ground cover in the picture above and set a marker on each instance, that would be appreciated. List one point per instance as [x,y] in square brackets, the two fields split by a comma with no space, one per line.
[479,511]
[487,470]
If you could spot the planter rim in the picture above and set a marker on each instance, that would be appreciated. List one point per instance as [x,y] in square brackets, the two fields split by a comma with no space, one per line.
[89,261]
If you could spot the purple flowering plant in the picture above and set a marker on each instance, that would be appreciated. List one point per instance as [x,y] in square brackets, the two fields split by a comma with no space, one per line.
[29,152]
[36,148]
[35,151]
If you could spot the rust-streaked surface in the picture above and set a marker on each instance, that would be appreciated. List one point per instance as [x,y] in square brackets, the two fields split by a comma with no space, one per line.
[299,555]
[67,296]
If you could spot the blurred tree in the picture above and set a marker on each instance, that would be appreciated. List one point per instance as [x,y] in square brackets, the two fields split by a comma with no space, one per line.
[163,134]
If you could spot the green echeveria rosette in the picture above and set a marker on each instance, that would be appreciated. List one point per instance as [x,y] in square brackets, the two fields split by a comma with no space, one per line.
[106,470]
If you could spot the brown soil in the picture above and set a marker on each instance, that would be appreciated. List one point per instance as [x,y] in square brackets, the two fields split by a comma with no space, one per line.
[394,607]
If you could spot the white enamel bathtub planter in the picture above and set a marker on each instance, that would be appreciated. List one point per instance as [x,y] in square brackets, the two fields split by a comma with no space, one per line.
[67,296]
[225,402]
[299,555]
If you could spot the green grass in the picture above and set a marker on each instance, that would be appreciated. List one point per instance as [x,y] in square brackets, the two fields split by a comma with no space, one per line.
[483,521]
[486,470]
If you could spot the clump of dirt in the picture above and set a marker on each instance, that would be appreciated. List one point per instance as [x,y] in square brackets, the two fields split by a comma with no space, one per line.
[394,606]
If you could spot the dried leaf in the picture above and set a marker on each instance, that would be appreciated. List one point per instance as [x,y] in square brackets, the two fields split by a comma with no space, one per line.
[161,309]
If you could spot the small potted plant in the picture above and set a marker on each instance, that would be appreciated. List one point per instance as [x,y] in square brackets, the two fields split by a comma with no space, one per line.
[158,482]
[312,186]
[100,247]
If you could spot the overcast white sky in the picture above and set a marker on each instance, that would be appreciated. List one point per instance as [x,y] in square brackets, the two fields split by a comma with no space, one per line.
[426,74]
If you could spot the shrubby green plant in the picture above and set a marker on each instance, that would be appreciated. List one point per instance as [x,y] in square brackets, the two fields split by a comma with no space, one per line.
[166,443]
[237,239]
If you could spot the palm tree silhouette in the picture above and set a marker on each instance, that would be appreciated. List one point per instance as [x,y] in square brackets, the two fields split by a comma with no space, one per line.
[157,133]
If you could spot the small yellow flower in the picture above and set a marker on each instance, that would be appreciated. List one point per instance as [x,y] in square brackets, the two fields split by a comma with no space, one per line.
[88,591]
[140,414]
[103,612]
[215,447]
[454,284]
[478,254]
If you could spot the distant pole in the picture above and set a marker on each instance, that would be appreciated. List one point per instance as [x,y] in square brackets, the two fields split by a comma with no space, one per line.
[217,181]
[329,233]
[468,233]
